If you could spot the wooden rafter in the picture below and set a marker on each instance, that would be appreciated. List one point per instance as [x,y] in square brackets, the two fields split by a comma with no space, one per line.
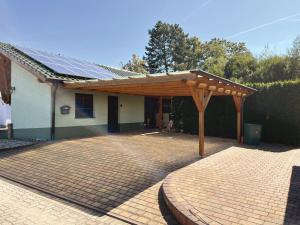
[168,85]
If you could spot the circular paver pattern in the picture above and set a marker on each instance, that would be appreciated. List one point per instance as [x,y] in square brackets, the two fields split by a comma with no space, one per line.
[237,186]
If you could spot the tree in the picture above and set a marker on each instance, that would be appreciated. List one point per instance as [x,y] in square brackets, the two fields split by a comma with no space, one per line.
[271,68]
[294,59]
[159,51]
[170,49]
[179,48]
[217,52]
[240,66]
[135,64]
[194,53]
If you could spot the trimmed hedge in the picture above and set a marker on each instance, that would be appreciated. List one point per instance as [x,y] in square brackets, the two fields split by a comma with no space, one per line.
[276,106]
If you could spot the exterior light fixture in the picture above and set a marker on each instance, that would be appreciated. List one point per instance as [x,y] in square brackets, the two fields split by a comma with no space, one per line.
[12,89]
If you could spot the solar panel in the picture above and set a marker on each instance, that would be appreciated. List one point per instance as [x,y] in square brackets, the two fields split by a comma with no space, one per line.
[69,66]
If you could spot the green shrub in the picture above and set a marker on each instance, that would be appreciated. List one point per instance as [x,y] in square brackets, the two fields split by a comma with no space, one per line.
[275,105]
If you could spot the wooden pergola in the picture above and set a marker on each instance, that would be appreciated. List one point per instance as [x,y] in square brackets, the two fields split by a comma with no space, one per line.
[196,83]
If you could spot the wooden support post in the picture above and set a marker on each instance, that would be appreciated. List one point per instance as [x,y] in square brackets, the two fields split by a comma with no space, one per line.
[160,113]
[201,134]
[238,127]
[201,100]
[239,101]
[242,121]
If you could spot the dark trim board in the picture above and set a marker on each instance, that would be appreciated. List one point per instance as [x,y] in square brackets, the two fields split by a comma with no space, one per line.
[32,133]
[3,134]
[131,126]
[79,131]
[71,132]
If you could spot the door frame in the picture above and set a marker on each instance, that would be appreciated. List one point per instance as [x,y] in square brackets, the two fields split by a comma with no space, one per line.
[113,124]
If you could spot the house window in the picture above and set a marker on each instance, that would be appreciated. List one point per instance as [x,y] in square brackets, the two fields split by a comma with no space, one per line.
[84,106]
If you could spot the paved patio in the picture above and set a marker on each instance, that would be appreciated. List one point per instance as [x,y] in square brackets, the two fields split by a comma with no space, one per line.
[116,175]
[10,144]
[238,186]
[20,205]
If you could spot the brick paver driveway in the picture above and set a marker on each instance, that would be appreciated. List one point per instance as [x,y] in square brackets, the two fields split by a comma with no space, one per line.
[118,175]
[239,186]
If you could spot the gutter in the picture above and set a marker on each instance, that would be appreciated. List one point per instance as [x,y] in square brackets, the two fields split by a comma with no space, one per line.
[54,87]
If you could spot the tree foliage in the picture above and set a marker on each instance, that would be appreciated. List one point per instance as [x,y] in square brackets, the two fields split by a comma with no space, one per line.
[135,64]
[159,49]
[294,60]
[271,68]
[171,49]
[221,56]
[240,66]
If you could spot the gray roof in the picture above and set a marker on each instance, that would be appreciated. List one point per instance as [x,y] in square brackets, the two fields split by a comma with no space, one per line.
[120,72]
[13,53]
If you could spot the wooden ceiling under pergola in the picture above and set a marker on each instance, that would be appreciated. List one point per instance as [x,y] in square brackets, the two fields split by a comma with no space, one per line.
[196,83]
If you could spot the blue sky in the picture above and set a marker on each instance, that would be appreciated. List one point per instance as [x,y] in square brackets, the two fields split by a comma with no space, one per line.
[108,32]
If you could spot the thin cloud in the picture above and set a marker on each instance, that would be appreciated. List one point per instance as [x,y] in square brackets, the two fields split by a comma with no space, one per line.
[263,25]
[189,16]
[293,20]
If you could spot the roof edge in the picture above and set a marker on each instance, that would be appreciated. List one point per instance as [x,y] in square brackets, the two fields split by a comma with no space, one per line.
[213,76]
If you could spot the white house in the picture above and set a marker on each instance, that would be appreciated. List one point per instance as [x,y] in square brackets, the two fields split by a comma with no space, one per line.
[41,108]
[54,97]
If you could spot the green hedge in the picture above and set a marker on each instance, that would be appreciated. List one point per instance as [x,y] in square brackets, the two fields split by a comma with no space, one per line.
[220,116]
[276,106]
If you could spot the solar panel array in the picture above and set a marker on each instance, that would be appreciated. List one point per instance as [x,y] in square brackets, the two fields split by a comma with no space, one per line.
[69,66]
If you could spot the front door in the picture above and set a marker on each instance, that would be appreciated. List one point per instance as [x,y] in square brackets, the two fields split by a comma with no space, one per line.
[151,109]
[113,114]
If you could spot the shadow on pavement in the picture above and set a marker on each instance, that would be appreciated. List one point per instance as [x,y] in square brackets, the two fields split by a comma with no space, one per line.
[292,212]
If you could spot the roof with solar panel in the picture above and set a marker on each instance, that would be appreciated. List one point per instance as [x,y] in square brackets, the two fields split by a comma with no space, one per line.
[79,72]
[55,66]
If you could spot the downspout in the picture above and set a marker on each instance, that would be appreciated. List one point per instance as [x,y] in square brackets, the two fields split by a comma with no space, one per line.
[54,87]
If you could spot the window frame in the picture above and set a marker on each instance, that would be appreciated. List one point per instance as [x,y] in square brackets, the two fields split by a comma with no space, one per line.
[80,111]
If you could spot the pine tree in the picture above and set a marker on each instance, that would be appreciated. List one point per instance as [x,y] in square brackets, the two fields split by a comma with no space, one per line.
[179,47]
[158,51]
[170,49]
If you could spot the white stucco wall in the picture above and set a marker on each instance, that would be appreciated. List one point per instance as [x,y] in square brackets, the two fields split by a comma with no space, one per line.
[67,97]
[31,101]
[131,111]
[31,104]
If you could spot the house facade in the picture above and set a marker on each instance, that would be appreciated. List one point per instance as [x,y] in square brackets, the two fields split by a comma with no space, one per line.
[55,97]
[31,110]
[35,114]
